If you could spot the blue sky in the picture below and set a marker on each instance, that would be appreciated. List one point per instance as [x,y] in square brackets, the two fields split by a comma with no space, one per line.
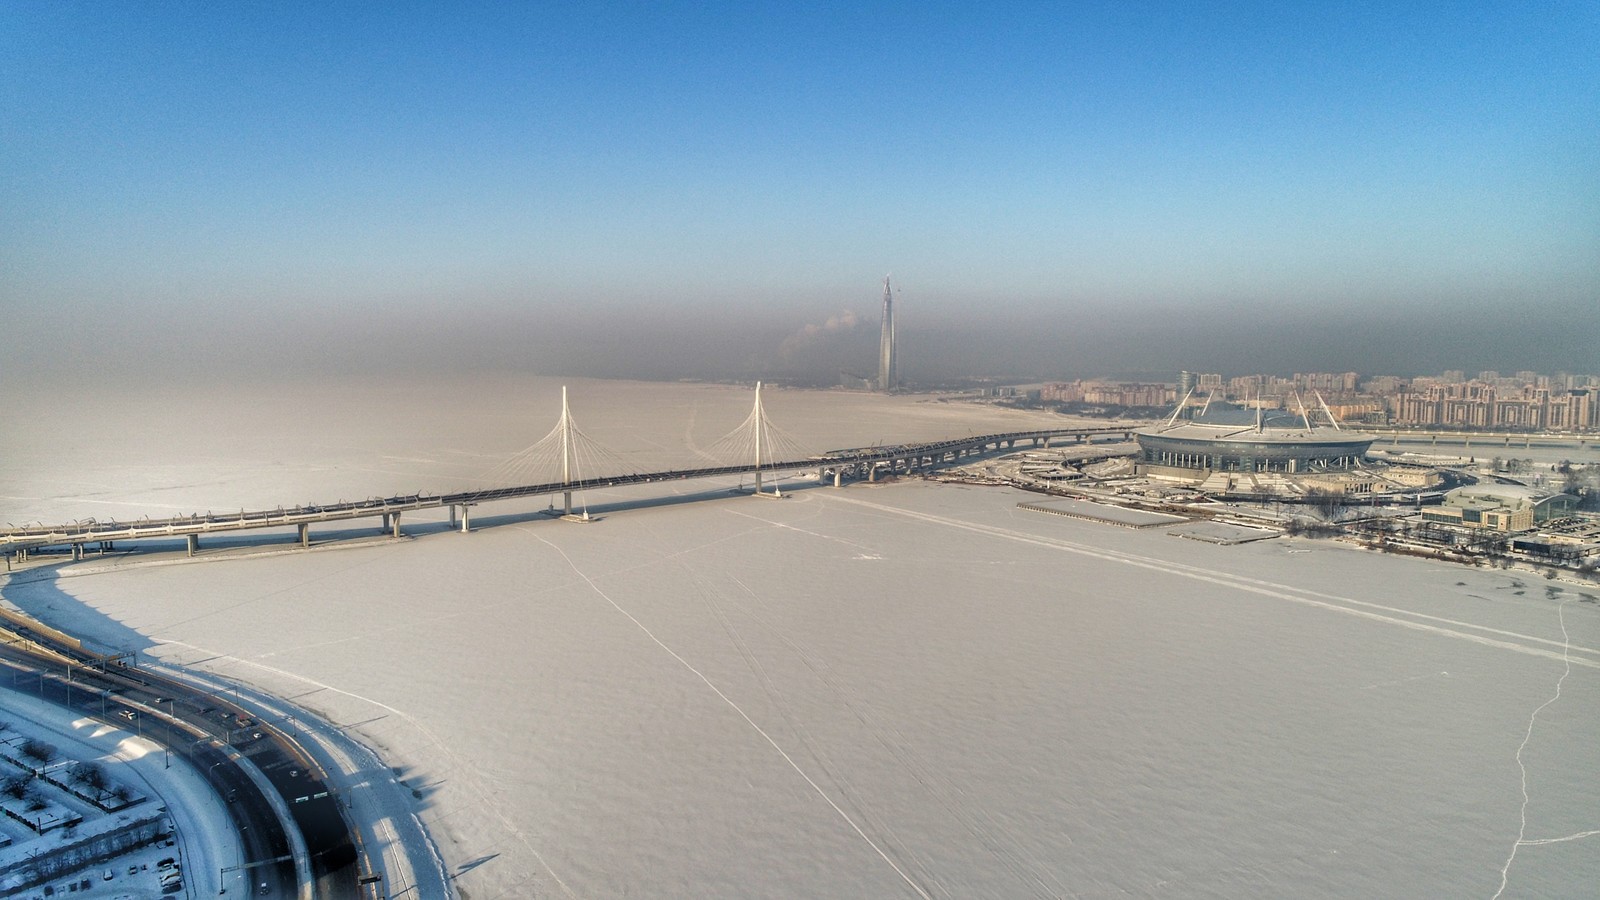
[187,177]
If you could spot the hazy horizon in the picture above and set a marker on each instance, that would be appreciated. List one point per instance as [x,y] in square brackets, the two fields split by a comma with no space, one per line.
[671,193]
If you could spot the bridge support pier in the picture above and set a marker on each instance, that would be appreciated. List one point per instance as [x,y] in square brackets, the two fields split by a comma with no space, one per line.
[394,520]
[305,534]
[466,517]
[194,543]
[385,526]
[452,515]
[838,477]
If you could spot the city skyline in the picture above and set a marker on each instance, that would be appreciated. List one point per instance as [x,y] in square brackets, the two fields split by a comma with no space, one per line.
[662,193]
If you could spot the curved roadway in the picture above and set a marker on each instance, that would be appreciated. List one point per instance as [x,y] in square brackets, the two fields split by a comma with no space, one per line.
[221,741]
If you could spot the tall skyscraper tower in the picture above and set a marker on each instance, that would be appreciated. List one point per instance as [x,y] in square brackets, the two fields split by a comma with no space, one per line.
[888,365]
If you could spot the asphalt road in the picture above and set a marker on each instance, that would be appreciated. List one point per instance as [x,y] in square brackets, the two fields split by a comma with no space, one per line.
[212,734]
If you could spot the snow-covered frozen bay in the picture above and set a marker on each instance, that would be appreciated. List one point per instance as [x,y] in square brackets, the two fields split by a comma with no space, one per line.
[885,690]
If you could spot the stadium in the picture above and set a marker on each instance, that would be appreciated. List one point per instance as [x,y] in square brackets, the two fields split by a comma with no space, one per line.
[1252,453]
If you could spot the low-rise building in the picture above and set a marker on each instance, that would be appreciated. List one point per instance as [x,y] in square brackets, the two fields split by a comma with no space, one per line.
[1499,507]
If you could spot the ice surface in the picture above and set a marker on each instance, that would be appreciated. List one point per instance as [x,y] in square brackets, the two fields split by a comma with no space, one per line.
[885,690]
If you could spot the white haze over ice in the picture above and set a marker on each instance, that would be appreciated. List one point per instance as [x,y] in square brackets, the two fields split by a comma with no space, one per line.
[888,690]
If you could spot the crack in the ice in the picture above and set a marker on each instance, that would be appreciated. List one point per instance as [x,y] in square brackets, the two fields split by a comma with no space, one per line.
[1505,871]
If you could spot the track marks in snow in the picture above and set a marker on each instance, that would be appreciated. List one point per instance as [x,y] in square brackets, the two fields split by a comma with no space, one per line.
[1346,605]
[359,561]
[1522,829]
[991,834]
[1379,684]
[840,782]
[462,769]
[864,551]
[751,722]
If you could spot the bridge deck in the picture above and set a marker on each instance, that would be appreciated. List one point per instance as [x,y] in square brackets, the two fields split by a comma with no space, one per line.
[90,531]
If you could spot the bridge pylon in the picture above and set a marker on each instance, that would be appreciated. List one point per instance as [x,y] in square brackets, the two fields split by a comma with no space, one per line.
[758,419]
[567,446]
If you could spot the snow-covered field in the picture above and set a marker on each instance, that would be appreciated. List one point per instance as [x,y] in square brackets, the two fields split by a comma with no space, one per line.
[891,690]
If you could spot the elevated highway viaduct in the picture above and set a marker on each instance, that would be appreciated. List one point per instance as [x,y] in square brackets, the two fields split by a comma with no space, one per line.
[865,462]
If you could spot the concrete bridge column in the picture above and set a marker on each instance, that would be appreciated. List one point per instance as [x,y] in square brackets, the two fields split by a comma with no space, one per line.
[394,519]
[466,518]
[194,543]
[385,526]
[838,477]
[305,534]
[452,515]
[872,472]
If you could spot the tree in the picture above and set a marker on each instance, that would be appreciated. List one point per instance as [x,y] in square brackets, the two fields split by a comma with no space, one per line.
[1328,502]
[38,750]
[90,774]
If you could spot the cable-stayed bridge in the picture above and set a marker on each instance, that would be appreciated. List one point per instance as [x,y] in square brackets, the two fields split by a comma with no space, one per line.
[564,463]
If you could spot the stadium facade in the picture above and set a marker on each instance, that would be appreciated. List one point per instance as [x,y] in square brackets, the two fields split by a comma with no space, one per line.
[1195,449]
